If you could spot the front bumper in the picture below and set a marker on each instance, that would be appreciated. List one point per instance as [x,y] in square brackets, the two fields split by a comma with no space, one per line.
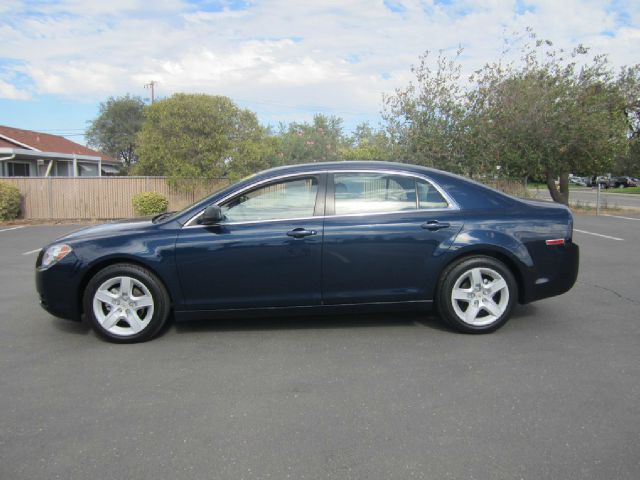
[58,288]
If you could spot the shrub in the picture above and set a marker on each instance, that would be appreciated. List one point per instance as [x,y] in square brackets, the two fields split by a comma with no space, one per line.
[9,201]
[149,203]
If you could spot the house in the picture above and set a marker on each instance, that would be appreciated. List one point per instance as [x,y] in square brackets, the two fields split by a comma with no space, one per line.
[25,153]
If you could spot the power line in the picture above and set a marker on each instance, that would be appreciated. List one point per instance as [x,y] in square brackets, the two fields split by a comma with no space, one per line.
[151,85]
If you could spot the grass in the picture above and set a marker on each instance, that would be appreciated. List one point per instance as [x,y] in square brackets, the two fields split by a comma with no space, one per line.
[543,186]
[583,208]
[627,190]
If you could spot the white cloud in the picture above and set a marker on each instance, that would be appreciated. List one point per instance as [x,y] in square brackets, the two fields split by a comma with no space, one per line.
[281,57]
[9,91]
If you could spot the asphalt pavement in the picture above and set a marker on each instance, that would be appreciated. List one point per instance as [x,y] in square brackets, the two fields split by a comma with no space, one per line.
[552,395]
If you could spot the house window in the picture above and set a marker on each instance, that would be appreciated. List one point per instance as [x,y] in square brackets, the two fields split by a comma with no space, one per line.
[87,170]
[17,169]
[62,168]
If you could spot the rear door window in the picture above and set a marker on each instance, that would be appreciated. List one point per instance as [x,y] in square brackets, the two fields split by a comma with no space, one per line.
[379,193]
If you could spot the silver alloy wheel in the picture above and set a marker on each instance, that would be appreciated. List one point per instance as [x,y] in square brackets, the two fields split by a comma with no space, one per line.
[123,306]
[480,296]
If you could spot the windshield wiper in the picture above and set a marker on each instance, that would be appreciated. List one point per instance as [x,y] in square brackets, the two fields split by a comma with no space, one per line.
[161,216]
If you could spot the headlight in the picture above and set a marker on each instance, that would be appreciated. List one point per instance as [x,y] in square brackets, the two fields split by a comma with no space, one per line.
[54,254]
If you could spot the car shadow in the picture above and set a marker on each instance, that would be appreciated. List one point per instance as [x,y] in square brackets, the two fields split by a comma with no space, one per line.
[354,320]
[522,312]
[309,322]
[70,326]
[312,322]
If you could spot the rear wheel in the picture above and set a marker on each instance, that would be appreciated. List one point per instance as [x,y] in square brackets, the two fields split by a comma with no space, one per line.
[126,303]
[477,294]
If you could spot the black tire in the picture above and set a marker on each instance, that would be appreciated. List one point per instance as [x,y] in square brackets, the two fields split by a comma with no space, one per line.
[459,272]
[143,285]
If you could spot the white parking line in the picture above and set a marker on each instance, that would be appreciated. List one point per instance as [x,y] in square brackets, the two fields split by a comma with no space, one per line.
[12,228]
[30,252]
[620,216]
[599,235]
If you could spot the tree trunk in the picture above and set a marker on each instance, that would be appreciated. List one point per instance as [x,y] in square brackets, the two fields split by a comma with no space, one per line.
[564,187]
[562,195]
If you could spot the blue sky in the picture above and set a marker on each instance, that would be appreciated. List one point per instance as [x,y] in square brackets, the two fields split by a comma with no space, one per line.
[285,60]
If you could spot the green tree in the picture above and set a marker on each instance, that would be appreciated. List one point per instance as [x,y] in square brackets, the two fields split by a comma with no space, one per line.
[549,115]
[116,127]
[198,135]
[366,143]
[302,142]
[425,121]
[629,82]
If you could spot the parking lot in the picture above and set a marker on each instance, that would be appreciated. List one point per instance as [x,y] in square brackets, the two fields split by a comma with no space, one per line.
[555,394]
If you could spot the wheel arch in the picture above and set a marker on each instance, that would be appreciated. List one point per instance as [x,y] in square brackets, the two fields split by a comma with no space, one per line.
[500,254]
[107,262]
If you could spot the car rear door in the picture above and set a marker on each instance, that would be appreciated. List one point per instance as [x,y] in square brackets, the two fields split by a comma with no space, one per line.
[266,253]
[383,236]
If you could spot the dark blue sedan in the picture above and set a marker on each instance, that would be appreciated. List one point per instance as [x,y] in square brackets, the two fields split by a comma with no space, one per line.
[325,237]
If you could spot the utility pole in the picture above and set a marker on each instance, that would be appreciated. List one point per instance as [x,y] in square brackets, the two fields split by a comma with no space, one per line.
[151,85]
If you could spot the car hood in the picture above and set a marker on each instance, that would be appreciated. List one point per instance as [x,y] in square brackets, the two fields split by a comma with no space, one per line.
[111,228]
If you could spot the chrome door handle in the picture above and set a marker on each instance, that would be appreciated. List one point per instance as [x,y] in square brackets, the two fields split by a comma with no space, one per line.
[300,232]
[434,225]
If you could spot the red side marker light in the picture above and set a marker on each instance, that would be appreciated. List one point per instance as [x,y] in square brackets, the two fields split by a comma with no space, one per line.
[555,241]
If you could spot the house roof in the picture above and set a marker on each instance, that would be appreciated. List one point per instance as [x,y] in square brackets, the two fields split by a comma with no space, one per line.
[6,143]
[44,142]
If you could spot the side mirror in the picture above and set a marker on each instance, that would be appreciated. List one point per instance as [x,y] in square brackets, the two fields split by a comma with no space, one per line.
[212,215]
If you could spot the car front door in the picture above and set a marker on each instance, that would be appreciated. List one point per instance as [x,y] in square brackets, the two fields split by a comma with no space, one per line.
[383,234]
[265,253]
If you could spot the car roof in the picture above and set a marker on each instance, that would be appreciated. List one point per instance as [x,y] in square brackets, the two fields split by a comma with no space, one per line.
[348,165]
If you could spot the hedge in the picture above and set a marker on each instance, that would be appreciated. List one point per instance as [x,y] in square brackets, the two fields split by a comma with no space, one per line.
[149,203]
[9,201]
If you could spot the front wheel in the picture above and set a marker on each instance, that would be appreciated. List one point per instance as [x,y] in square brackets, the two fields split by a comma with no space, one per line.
[126,303]
[477,294]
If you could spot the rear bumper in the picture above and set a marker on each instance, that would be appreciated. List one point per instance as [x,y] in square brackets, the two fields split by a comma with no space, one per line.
[560,279]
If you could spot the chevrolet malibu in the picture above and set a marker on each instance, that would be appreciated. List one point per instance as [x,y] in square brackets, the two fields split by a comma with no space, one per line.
[329,237]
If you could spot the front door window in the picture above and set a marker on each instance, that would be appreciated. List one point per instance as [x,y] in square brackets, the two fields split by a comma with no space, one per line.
[277,201]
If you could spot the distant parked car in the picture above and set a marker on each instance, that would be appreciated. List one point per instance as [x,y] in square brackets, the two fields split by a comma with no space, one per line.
[322,237]
[603,181]
[580,181]
[624,182]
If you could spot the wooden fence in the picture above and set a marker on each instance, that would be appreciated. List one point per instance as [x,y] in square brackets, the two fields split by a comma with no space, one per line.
[102,198]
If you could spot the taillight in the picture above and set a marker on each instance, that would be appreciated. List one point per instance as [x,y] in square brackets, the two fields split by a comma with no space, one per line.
[555,241]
